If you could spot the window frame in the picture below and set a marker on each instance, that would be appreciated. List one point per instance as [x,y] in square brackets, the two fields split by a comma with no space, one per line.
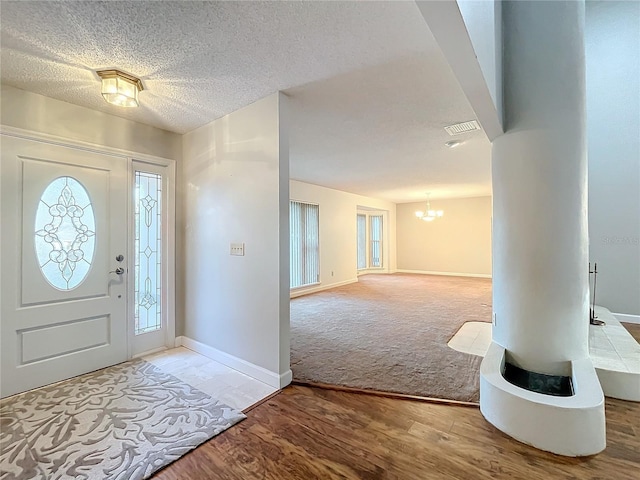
[368,214]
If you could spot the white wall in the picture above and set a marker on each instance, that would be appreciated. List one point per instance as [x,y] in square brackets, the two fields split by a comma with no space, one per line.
[613,135]
[338,248]
[37,113]
[236,171]
[30,111]
[457,243]
[483,19]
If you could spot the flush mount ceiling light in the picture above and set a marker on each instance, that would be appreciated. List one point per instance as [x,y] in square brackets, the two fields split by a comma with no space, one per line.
[453,143]
[429,215]
[119,88]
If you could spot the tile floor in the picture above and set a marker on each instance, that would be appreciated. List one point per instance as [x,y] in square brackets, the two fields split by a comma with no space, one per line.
[611,347]
[473,338]
[221,382]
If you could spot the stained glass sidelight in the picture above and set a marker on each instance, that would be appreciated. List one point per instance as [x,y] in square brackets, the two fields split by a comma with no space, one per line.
[148,252]
[65,233]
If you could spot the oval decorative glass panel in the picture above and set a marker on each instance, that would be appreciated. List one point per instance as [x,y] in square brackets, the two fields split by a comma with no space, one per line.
[65,233]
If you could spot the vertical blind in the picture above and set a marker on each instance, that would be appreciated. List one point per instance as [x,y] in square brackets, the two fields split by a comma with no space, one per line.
[362,241]
[304,244]
[375,239]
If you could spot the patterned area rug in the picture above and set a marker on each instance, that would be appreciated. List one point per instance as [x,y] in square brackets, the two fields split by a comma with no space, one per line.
[123,422]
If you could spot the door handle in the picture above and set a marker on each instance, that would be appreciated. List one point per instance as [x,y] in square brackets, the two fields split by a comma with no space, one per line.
[118,271]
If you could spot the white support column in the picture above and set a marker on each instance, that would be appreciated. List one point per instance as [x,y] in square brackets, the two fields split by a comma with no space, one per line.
[540,236]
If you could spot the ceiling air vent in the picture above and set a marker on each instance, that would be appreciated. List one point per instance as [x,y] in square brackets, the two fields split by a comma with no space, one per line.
[463,127]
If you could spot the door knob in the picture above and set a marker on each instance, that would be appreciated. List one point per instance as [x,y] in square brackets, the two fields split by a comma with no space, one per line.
[119,258]
[118,271]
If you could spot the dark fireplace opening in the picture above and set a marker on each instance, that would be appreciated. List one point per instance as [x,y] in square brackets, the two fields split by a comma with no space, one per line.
[555,385]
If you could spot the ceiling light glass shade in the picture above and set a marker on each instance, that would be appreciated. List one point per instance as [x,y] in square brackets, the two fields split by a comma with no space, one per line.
[119,88]
[419,214]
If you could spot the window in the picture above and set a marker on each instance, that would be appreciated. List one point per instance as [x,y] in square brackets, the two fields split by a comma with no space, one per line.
[304,244]
[65,233]
[362,241]
[375,239]
[369,240]
[148,252]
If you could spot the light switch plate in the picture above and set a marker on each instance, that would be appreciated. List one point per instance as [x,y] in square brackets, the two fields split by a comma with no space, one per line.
[237,249]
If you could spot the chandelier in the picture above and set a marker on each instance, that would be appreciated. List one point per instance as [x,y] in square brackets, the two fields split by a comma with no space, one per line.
[429,215]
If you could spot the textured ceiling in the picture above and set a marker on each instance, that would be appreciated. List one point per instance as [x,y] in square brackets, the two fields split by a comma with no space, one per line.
[370,89]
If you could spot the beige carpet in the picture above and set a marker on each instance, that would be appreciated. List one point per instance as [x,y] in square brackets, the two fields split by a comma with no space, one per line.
[390,333]
[123,422]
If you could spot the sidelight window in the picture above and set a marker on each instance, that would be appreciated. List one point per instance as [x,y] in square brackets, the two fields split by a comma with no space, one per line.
[148,252]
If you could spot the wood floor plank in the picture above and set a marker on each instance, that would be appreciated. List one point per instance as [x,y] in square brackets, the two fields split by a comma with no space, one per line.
[633,329]
[308,433]
[380,445]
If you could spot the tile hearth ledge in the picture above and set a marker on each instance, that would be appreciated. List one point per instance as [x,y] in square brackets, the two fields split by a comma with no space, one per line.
[615,354]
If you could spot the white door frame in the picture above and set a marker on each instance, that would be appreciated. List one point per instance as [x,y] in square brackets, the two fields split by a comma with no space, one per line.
[128,156]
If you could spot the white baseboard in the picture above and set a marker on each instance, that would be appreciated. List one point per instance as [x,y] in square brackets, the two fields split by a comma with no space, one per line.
[623,317]
[450,274]
[286,378]
[375,271]
[319,288]
[259,373]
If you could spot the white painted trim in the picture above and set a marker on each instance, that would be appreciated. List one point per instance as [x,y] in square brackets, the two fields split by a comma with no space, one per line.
[169,232]
[368,212]
[272,379]
[375,271]
[449,274]
[626,318]
[306,291]
[128,156]
[304,287]
[286,378]
[81,145]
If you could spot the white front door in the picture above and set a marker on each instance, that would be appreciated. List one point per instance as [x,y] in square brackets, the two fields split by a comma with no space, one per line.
[64,230]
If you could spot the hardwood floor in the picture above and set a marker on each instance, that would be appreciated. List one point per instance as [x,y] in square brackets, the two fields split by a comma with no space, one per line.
[633,329]
[310,433]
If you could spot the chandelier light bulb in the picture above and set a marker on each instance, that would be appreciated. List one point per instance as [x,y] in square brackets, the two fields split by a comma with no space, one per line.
[429,215]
